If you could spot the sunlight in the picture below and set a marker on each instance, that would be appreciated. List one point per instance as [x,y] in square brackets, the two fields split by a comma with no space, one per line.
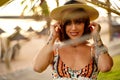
[12,9]
[54,5]
[15,9]
[51,7]
[38,26]
[9,28]
[116,2]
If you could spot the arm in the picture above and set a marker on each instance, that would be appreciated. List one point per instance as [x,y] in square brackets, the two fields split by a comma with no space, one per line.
[105,61]
[45,55]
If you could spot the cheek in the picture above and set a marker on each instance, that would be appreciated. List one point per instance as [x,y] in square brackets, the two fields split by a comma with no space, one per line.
[81,28]
[67,29]
[81,31]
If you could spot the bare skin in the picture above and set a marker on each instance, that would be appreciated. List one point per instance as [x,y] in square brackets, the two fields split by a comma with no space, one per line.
[74,57]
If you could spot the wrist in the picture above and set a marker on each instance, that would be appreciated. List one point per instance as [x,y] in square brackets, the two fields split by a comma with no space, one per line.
[100,50]
[51,39]
[97,40]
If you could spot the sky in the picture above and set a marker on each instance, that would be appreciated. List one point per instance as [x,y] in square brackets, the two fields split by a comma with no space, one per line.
[16,9]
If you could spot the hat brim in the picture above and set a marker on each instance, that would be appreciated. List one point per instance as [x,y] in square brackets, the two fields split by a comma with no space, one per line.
[57,12]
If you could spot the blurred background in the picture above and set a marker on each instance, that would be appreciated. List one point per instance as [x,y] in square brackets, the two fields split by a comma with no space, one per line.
[24,28]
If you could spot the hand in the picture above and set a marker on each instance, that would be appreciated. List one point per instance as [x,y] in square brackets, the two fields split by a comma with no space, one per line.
[95,28]
[95,33]
[54,30]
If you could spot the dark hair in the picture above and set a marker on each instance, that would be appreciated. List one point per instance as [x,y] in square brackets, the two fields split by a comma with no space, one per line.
[78,15]
[72,2]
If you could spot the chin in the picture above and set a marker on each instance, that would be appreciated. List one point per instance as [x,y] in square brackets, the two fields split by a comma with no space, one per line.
[74,38]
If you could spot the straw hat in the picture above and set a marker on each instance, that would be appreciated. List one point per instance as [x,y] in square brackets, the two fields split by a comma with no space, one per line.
[57,12]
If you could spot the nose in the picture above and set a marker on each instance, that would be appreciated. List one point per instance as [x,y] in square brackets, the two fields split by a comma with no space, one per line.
[73,26]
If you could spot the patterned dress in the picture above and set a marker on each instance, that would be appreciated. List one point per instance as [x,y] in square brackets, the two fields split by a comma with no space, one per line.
[63,72]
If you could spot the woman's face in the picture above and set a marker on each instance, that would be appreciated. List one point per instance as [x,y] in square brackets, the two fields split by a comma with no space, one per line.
[74,29]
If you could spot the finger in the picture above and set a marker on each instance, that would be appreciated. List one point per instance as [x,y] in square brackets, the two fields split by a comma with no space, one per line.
[94,24]
[56,29]
[91,28]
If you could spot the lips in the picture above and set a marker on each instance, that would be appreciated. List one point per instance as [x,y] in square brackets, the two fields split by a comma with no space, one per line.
[74,33]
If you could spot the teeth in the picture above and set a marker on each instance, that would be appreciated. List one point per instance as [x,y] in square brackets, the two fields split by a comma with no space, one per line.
[74,33]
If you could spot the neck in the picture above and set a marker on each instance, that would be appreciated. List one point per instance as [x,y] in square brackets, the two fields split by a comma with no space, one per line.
[79,44]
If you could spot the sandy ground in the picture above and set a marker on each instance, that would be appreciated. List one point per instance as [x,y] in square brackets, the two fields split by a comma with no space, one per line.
[25,58]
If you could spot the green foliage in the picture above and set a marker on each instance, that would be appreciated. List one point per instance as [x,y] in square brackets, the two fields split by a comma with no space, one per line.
[45,9]
[114,74]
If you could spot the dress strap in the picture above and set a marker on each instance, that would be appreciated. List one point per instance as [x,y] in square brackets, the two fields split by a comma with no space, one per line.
[91,52]
[56,48]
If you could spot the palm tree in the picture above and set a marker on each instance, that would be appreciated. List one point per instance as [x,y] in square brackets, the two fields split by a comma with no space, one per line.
[40,11]
[39,8]
[108,6]
[3,2]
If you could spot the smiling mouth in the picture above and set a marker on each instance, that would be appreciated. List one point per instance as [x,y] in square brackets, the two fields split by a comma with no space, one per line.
[74,33]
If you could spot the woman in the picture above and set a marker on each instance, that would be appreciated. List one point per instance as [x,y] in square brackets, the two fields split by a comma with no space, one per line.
[68,49]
